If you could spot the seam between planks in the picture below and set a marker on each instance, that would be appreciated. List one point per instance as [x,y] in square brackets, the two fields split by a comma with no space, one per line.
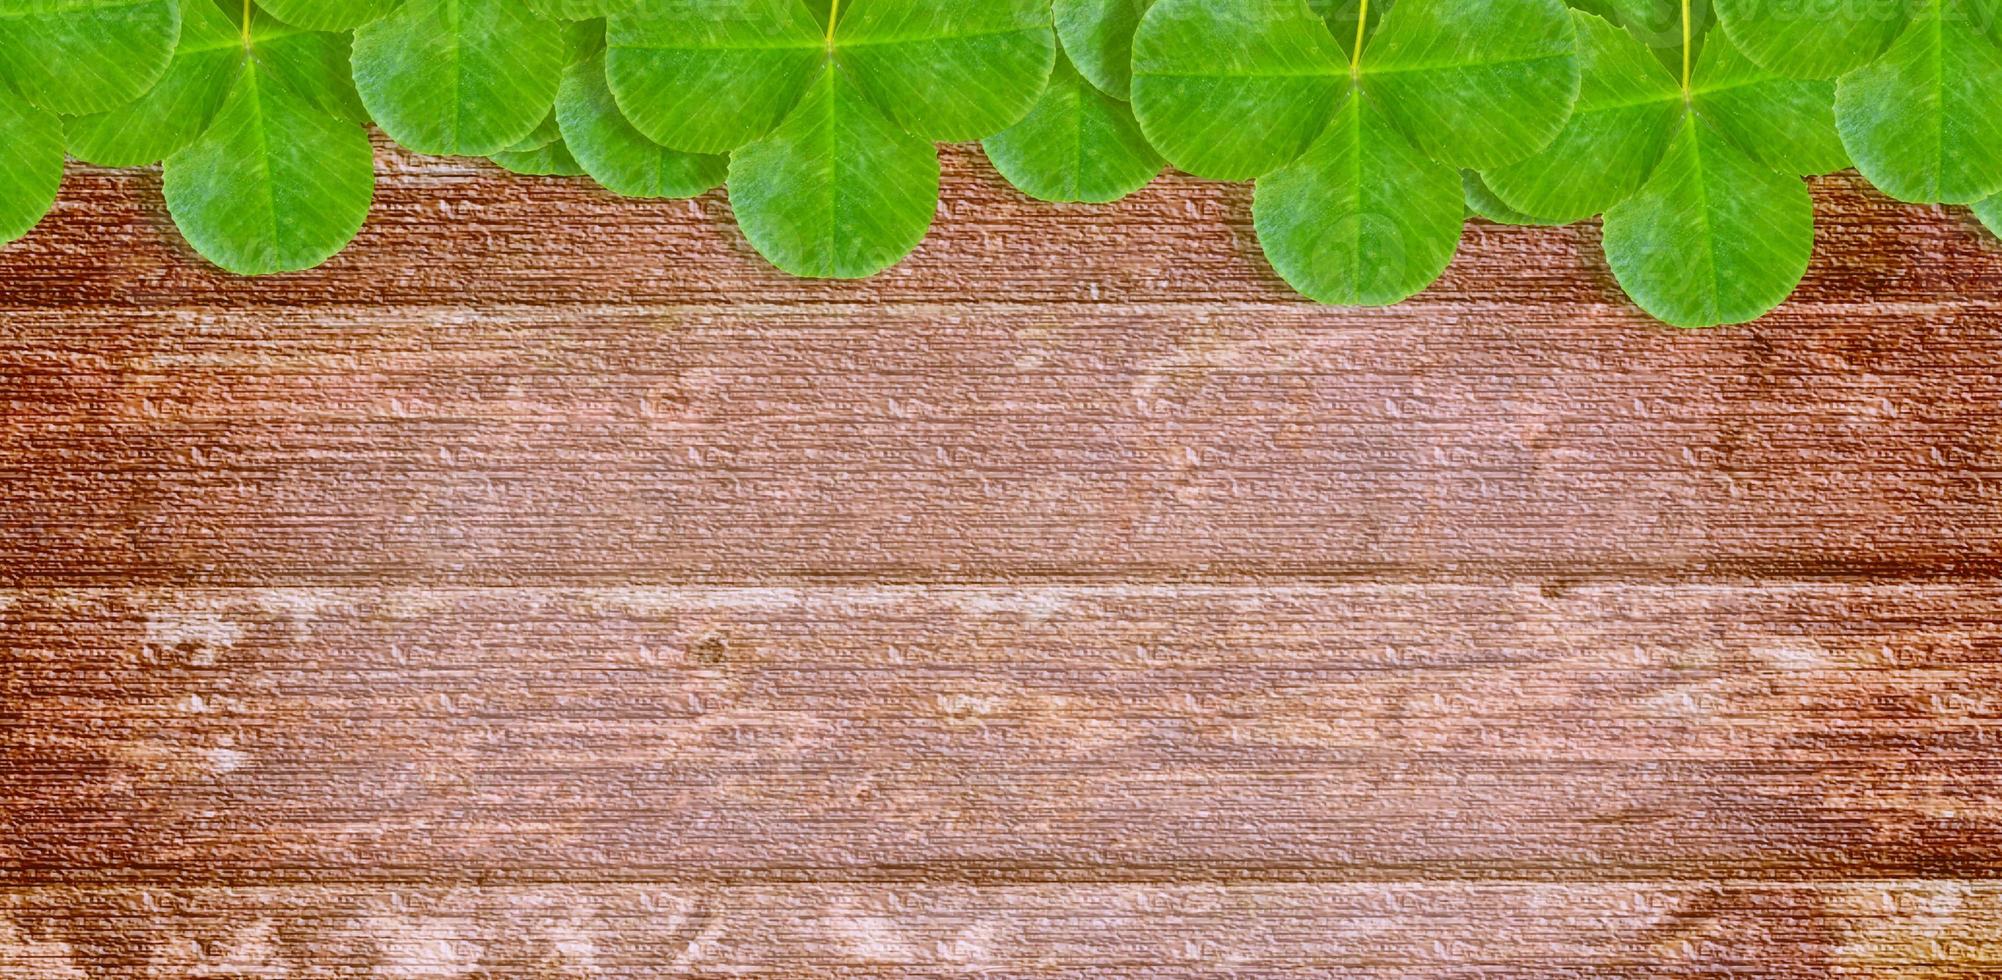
[1746,573]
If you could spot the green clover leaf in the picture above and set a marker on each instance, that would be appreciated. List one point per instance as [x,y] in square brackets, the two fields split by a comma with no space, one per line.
[329,15]
[1628,113]
[1811,40]
[1079,143]
[1628,108]
[578,9]
[1364,204]
[1098,37]
[1990,213]
[1924,122]
[1786,123]
[616,154]
[829,109]
[459,77]
[1482,203]
[313,64]
[708,76]
[78,56]
[1714,237]
[31,165]
[280,179]
[1669,28]
[837,190]
[993,55]
[1706,218]
[1340,16]
[1234,90]
[1477,83]
[174,111]
[551,159]
[1363,218]
[546,133]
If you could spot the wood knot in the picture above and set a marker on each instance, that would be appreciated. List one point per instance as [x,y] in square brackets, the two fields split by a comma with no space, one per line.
[710,650]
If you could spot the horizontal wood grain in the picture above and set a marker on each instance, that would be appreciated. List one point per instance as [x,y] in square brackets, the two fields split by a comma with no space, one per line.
[606,395]
[1004,734]
[548,588]
[1887,929]
[490,446]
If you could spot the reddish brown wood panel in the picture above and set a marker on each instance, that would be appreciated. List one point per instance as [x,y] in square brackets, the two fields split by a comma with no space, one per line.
[548,588]
[1641,930]
[592,407]
[1007,734]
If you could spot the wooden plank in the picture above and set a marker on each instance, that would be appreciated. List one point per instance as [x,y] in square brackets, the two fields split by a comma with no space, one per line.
[333,444]
[1035,734]
[519,381]
[1889,929]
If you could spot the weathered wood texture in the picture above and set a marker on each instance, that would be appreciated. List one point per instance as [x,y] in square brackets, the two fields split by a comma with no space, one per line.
[1640,930]
[1077,733]
[547,588]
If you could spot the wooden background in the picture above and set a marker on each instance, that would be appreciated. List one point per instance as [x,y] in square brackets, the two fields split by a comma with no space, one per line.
[547,588]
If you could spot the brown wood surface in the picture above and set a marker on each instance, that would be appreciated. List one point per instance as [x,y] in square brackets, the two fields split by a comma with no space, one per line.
[547,588]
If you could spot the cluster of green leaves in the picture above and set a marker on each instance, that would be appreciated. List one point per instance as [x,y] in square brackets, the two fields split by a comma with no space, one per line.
[1355,123]
[266,165]
[1371,128]
[1694,154]
[829,111]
